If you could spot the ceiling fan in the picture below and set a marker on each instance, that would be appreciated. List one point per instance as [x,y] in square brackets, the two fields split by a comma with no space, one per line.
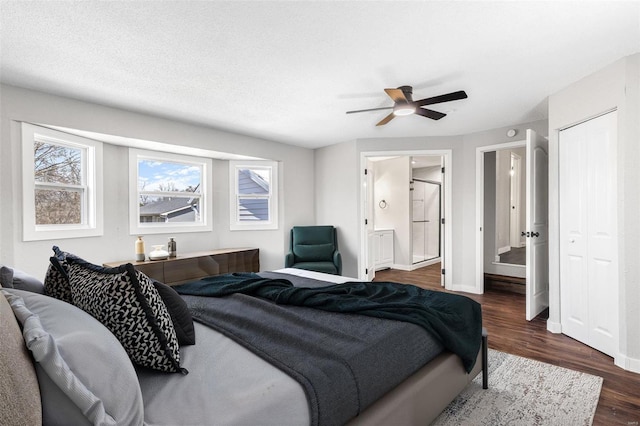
[405,105]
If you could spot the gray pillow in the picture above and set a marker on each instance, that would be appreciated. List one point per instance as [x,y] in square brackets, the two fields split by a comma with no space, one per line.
[15,278]
[6,277]
[85,375]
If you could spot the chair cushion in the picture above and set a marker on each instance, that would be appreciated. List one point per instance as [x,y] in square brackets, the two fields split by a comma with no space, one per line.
[313,253]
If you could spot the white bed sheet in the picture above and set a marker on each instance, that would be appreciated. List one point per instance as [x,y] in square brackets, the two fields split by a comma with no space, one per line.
[226,385]
[336,279]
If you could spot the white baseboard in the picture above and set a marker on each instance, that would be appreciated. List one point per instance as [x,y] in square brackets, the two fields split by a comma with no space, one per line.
[401,267]
[424,263]
[465,288]
[627,363]
[554,327]
[504,249]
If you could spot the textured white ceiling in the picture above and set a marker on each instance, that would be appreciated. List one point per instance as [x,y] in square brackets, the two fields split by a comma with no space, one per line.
[288,71]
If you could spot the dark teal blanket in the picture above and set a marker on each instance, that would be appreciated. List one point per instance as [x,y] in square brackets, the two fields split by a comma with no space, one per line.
[455,320]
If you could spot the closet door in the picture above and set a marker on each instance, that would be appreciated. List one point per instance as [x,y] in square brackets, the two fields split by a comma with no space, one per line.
[588,233]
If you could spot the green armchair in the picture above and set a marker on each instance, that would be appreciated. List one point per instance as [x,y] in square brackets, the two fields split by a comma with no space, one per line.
[314,248]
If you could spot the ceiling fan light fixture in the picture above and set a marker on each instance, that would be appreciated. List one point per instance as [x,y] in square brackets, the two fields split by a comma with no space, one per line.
[403,109]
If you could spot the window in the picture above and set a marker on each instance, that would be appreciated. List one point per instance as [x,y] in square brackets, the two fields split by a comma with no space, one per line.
[169,193]
[254,190]
[62,185]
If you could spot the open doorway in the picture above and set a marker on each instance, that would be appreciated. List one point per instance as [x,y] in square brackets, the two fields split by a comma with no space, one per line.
[535,230]
[505,212]
[389,209]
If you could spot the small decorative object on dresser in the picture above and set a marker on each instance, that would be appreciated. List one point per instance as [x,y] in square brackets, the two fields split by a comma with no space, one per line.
[158,253]
[139,250]
[172,247]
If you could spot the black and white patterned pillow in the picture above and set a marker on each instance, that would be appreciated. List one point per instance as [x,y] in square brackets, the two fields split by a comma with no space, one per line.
[128,304]
[56,281]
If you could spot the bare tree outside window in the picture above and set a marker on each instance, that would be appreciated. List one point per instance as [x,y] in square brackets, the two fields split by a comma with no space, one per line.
[59,191]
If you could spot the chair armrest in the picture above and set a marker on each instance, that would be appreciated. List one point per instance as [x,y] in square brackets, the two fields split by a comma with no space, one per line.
[337,260]
[289,260]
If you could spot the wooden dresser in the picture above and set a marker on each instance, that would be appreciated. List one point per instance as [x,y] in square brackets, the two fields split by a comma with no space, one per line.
[192,266]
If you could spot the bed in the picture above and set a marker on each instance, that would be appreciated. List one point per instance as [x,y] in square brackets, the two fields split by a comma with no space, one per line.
[93,378]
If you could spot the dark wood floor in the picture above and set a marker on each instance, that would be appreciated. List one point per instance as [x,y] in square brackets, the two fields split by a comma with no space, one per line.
[504,317]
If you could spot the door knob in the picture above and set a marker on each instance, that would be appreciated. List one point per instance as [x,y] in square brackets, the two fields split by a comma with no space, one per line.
[535,234]
[524,234]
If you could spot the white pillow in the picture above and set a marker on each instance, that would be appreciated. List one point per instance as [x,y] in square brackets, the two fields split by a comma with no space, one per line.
[82,358]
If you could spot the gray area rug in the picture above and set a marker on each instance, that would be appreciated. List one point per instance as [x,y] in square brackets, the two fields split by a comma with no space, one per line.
[525,392]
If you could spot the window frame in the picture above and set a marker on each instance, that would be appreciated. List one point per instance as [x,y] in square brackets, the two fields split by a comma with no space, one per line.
[92,222]
[234,223]
[141,228]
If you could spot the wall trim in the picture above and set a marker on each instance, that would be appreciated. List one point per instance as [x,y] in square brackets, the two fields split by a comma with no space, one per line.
[627,363]
[504,249]
[554,327]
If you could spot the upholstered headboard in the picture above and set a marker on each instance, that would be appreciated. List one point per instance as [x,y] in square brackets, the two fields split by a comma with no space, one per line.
[19,390]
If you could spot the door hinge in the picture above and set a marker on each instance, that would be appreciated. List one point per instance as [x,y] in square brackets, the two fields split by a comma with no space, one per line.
[442,170]
[442,221]
[443,272]
[366,222]
[365,171]
[366,271]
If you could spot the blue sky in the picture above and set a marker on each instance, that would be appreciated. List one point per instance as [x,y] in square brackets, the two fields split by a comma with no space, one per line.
[153,173]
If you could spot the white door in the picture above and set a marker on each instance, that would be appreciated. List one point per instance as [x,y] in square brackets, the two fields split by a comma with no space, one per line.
[537,229]
[369,224]
[514,207]
[442,220]
[588,233]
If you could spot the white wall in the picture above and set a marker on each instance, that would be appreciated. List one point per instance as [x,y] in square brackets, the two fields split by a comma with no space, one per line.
[502,182]
[490,246]
[337,182]
[392,185]
[503,202]
[616,86]
[463,148]
[296,184]
[432,173]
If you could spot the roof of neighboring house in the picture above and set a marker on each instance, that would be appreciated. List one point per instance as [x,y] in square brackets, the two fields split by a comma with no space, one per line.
[166,206]
[250,182]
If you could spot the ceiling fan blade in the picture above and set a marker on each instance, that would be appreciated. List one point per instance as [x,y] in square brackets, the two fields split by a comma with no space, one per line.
[397,95]
[371,109]
[453,96]
[429,113]
[385,120]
